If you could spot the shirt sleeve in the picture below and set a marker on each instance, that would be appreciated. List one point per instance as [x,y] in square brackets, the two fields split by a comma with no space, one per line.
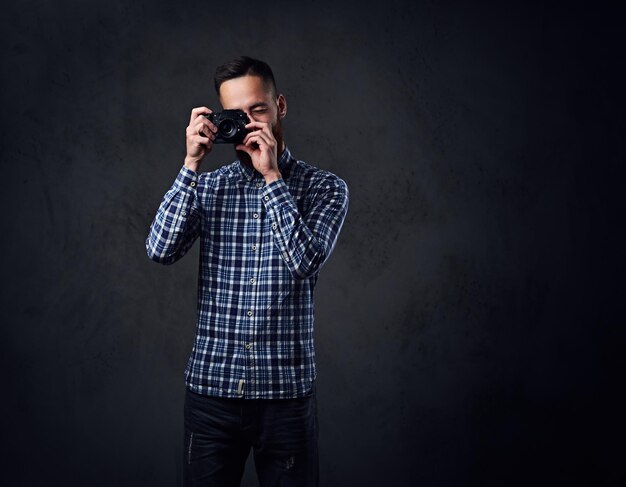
[306,240]
[177,222]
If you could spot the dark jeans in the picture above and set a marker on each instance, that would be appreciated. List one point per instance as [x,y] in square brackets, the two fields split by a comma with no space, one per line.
[219,434]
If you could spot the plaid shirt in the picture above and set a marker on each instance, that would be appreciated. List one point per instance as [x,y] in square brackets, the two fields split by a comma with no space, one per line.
[262,246]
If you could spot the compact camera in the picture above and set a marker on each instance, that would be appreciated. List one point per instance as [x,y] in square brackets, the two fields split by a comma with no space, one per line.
[231,126]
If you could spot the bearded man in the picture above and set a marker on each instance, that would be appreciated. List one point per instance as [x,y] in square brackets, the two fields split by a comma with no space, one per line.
[266,222]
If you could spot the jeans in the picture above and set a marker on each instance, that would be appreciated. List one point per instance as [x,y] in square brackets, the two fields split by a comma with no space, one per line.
[219,433]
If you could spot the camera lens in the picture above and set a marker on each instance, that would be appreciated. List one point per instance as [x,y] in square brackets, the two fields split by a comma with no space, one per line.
[227,128]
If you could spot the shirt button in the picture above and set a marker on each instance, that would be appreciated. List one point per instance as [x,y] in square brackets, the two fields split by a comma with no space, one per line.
[253,246]
[274,226]
[248,346]
[255,215]
[266,198]
[193,183]
[183,212]
[259,185]
[252,281]
[249,313]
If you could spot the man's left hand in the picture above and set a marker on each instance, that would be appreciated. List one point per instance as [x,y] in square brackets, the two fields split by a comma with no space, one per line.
[262,148]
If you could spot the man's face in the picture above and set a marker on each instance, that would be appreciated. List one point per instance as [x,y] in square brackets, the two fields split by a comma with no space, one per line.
[249,93]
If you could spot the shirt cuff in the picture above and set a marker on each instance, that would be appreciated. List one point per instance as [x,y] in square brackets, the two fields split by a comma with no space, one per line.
[186,179]
[276,193]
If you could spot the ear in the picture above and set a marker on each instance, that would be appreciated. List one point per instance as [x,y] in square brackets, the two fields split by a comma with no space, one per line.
[282,106]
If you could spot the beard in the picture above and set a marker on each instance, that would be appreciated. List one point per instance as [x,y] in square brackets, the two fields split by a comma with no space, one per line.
[277,131]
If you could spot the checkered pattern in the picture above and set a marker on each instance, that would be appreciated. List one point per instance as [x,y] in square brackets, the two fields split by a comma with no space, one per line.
[262,247]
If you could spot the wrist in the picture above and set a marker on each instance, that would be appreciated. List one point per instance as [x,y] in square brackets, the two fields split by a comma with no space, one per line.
[192,164]
[272,176]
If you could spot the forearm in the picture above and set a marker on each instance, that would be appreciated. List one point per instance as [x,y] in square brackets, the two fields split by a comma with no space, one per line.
[305,241]
[176,224]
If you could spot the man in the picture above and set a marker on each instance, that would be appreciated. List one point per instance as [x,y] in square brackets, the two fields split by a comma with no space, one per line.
[267,223]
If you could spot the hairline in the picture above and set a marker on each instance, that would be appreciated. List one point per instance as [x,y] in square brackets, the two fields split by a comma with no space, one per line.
[271,89]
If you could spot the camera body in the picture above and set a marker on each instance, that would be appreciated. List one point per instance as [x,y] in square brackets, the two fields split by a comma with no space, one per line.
[231,126]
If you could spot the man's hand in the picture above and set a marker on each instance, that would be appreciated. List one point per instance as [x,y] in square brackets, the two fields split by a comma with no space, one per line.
[200,135]
[262,148]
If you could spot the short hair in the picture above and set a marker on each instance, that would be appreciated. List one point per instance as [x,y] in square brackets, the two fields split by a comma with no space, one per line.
[244,66]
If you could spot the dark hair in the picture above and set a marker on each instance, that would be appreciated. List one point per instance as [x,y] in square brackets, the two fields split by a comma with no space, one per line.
[243,66]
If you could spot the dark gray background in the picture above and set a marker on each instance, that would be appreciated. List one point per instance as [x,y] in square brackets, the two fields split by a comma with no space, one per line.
[469,326]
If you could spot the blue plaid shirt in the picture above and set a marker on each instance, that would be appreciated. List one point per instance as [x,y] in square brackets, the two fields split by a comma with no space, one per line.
[262,246]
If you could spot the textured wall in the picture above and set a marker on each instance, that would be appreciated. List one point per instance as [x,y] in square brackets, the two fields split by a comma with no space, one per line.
[468,325]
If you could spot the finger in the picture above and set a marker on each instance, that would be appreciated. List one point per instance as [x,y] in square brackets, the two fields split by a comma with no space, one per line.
[257,125]
[204,128]
[196,112]
[260,138]
[201,125]
[192,131]
[253,133]
[251,141]
[257,143]
[205,121]
[262,127]
[244,148]
[200,140]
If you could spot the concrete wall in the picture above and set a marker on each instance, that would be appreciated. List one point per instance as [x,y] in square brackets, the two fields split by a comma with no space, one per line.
[468,325]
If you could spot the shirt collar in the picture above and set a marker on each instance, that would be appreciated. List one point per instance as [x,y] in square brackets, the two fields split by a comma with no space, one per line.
[285,161]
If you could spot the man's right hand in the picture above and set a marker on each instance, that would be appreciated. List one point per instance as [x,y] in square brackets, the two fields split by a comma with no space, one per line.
[200,136]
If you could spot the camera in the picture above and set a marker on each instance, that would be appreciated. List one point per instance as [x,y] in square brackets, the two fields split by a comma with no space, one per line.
[231,126]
